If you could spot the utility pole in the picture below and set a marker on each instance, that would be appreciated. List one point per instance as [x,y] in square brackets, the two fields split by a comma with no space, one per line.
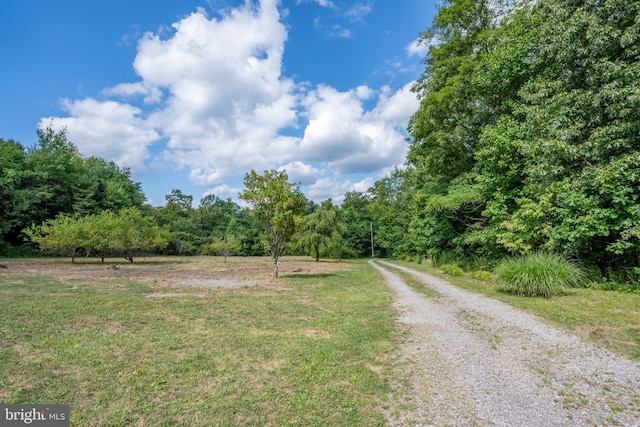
[372,253]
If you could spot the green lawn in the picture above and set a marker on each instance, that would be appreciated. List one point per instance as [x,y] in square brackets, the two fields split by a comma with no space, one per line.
[305,350]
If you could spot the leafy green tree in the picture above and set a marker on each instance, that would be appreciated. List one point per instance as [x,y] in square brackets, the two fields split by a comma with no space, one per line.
[52,178]
[566,155]
[64,235]
[12,165]
[216,214]
[135,234]
[248,229]
[183,221]
[391,212]
[527,134]
[183,203]
[322,232]
[102,185]
[227,246]
[125,233]
[446,129]
[278,206]
[354,212]
[52,169]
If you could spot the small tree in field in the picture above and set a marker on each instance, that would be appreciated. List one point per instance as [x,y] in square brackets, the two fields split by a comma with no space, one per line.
[278,206]
[64,235]
[229,245]
[322,232]
[124,233]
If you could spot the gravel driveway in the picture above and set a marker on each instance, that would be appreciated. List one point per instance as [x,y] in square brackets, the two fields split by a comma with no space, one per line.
[475,361]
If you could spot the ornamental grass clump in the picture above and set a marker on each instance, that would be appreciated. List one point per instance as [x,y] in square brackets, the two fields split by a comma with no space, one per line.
[537,275]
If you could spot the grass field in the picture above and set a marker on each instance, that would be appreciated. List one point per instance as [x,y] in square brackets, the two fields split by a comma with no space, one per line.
[311,348]
[198,342]
[608,318]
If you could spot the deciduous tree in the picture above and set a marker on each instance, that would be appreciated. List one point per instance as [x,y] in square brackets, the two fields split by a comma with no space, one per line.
[322,232]
[278,206]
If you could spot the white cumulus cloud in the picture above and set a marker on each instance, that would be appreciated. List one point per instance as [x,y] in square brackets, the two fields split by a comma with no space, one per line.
[107,129]
[420,47]
[212,101]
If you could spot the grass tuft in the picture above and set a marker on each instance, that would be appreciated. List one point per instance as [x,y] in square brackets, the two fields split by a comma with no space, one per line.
[537,275]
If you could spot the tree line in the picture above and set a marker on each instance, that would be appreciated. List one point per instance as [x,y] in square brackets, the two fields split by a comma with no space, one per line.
[54,200]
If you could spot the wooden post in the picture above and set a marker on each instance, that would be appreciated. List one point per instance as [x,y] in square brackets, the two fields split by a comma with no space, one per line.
[372,252]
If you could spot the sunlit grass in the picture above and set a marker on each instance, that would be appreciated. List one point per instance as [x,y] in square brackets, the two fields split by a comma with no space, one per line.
[305,350]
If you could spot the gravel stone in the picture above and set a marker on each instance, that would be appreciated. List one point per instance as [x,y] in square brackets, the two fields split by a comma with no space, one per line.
[475,361]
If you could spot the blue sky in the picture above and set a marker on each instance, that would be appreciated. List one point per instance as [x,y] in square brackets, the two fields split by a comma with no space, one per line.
[193,94]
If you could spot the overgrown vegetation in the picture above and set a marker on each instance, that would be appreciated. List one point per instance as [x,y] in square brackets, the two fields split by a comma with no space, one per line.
[452,269]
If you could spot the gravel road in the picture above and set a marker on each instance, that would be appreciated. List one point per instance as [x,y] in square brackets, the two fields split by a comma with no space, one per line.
[475,361]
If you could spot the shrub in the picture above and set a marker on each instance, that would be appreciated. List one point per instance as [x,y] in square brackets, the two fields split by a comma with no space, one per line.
[482,275]
[539,274]
[452,269]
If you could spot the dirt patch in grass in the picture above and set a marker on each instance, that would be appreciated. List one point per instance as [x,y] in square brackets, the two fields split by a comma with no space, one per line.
[225,283]
[171,271]
[310,333]
[174,295]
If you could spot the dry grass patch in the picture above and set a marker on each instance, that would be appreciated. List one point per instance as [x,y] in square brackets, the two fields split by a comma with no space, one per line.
[289,352]
[310,333]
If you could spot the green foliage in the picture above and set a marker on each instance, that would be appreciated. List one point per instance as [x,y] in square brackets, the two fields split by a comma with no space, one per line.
[452,269]
[538,274]
[125,233]
[527,137]
[64,235]
[194,230]
[52,178]
[322,232]
[484,276]
[134,234]
[277,205]
[228,246]
[391,215]
[356,215]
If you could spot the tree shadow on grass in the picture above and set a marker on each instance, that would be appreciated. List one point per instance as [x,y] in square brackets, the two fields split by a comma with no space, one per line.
[305,276]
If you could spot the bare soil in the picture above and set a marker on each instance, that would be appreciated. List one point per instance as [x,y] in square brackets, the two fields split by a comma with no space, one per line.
[170,271]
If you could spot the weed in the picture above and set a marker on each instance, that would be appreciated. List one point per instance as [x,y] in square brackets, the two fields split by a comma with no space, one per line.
[484,276]
[452,270]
